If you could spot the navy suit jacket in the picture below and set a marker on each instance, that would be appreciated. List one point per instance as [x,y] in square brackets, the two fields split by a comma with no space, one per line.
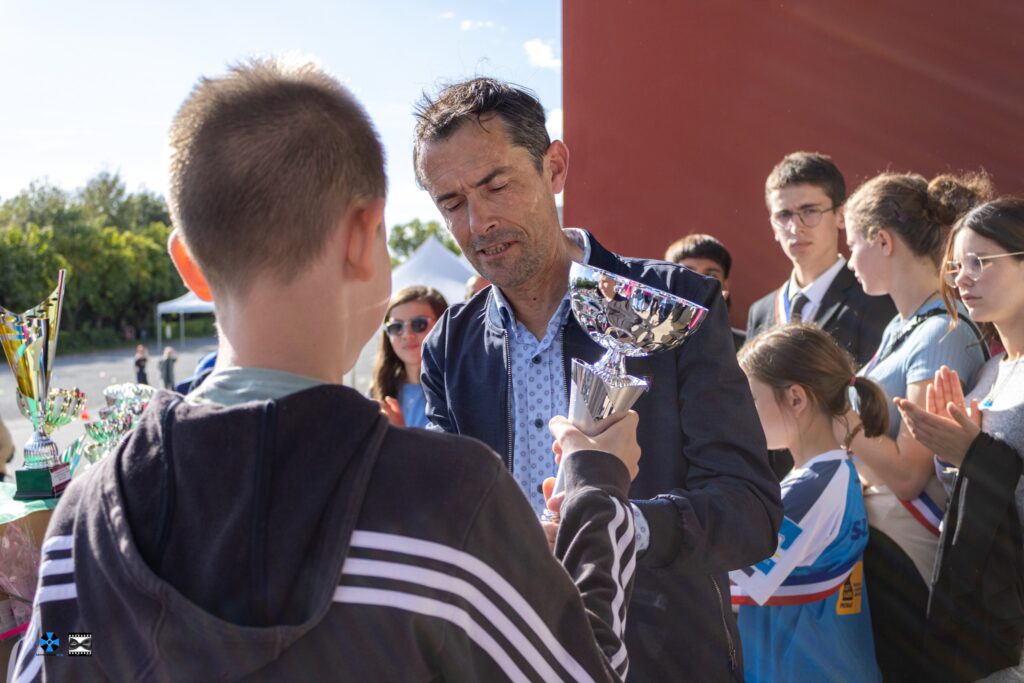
[853,318]
[705,486]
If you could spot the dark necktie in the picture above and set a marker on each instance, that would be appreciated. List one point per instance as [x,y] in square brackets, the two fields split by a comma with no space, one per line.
[799,301]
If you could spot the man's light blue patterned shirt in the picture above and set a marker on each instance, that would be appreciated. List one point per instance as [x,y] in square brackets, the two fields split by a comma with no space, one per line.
[539,388]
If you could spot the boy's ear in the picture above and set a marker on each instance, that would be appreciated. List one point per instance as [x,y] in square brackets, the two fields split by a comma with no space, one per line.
[884,240]
[364,225]
[187,267]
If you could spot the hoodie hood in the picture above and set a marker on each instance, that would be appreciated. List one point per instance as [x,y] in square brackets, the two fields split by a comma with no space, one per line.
[221,531]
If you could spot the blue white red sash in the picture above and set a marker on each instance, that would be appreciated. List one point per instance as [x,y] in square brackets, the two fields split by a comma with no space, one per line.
[925,511]
[782,304]
[800,590]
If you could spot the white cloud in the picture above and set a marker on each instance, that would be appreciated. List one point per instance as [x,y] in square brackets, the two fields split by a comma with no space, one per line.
[554,124]
[446,15]
[542,54]
[474,24]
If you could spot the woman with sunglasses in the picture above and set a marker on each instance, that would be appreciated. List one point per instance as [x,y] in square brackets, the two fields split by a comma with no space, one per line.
[411,314]
[976,614]
[896,226]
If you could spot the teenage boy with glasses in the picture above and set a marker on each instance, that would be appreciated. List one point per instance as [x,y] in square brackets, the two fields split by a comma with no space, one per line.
[805,194]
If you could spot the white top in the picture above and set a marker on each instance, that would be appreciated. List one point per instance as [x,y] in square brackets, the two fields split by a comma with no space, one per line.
[815,290]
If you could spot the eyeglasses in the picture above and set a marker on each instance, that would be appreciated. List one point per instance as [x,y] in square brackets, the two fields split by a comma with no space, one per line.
[416,325]
[973,266]
[809,216]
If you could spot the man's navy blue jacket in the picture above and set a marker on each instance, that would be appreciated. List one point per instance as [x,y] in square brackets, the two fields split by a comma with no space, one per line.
[705,486]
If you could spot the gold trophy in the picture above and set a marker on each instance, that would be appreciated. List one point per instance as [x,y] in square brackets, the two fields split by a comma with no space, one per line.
[29,340]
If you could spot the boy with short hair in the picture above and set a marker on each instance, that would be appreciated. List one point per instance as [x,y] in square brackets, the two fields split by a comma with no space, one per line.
[805,193]
[273,525]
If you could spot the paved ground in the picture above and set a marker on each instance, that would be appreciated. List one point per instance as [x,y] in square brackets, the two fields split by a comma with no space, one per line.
[93,372]
[90,372]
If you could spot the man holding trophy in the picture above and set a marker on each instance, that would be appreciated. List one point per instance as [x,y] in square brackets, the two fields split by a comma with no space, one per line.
[500,365]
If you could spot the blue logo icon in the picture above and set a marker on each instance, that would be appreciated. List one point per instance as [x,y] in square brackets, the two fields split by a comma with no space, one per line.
[49,643]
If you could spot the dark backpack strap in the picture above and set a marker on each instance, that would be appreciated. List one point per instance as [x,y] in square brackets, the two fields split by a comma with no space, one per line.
[908,330]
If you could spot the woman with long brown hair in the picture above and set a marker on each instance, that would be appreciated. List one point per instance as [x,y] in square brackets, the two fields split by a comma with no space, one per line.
[978,440]
[411,314]
[896,227]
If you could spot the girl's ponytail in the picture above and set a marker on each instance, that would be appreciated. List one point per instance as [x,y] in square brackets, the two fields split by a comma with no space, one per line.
[874,406]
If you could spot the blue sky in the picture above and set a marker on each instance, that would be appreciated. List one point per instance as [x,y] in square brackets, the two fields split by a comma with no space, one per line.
[87,87]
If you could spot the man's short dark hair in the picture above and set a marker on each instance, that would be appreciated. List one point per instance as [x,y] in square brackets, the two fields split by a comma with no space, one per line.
[478,100]
[808,168]
[700,246]
[265,162]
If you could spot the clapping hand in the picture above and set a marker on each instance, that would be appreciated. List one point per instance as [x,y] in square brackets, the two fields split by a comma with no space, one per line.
[392,410]
[945,424]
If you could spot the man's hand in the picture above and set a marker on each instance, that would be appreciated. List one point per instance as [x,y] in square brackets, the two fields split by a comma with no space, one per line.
[392,410]
[619,439]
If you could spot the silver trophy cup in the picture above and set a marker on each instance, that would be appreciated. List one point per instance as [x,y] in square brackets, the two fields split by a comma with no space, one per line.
[627,318]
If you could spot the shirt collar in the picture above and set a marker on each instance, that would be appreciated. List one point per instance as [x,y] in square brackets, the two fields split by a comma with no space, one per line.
[815,291]
[501,309]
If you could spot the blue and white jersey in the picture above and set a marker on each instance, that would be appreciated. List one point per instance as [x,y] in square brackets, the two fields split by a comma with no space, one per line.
[804,611]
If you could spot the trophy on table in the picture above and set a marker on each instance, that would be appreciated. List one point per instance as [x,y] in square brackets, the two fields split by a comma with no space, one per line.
[628,319]
[29,341]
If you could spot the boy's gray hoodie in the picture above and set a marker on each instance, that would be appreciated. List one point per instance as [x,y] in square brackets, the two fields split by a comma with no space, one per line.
[304,539]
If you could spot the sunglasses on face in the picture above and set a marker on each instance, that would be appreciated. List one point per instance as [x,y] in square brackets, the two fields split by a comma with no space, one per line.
[417,325]
[973,266]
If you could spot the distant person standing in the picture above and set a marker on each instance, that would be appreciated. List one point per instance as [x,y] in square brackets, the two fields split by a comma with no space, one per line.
[141,360]
[706,255]
[167,367]
[6,449]
[474,284]
[411,314]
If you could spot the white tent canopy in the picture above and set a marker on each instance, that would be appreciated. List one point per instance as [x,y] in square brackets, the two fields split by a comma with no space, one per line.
[431,265]
[434,266]
[185,304]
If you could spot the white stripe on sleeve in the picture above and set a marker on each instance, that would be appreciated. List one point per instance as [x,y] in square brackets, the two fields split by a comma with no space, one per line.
[462,589]
[433,608]
[473,565]
[53,567]
[55,543]
[58,591]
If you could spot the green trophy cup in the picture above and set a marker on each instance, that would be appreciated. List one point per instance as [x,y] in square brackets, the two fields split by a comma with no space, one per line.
[29,340]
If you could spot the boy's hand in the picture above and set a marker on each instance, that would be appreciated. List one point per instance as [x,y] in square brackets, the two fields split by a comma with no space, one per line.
[554,504]
[619,439]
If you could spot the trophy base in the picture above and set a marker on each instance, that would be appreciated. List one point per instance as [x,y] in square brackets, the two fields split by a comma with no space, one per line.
[40,483]
[598,398]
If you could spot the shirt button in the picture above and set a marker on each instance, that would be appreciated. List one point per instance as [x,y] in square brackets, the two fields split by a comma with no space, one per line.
[536,360]
[538,423]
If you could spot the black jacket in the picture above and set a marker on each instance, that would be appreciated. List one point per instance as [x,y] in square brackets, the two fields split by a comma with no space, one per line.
[853,318]
[704,486]
[304,539]
[976,609]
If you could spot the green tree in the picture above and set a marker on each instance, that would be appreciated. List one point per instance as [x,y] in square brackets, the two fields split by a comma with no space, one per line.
[405,238]
[112,243]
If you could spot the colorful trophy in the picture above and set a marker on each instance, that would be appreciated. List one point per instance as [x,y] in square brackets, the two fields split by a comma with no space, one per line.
[627,318]
[29,340]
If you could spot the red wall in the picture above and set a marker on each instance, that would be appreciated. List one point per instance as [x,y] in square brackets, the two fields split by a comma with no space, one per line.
[675,112]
